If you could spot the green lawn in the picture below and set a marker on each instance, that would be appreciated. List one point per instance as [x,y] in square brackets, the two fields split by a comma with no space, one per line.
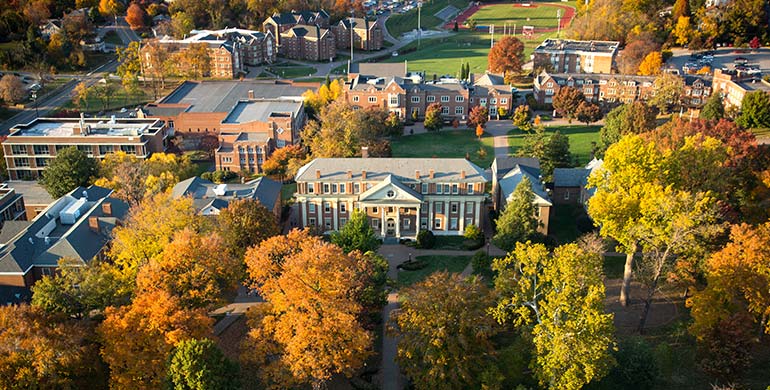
[398,24]
[445,144]
[118,99]
[454,264]
[543,15]
[290,72]
[580,138]
[450,243]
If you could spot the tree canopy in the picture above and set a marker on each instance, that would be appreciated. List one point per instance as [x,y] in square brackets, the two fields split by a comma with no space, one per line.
[201,365]
[357,234]
[755,110]
[71,168]
[518,222]
[506,56]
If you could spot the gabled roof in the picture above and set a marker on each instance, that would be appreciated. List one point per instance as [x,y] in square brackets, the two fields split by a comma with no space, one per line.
[511,180]
[400,192]
[490,79]
[445,170]
[203,193]
[569,177]
[303,30]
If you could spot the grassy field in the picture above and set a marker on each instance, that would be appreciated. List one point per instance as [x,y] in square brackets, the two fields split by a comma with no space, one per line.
[290,72]
[117,100]
[580,138]
[454,264]
[445,143]
[400,23]
[444,55]
[543,15]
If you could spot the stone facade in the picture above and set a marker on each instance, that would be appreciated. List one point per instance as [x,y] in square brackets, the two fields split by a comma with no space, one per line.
[400,196]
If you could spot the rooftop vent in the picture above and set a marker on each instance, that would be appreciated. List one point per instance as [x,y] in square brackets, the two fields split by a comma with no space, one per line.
[220,190]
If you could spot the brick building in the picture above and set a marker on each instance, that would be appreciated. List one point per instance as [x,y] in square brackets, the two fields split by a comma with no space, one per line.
[367,34]
[229,49]
[570,184]
[77,226]
[281,22]
[29,148]
[253,129]
[568,56]
[616,88]
[389,86]
[308,43]
[734,84]
[400,196]
[11,204]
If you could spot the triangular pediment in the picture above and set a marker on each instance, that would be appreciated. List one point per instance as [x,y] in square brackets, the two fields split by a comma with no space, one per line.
[391,190]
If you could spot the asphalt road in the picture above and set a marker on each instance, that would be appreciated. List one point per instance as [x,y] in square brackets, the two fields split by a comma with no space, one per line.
[60,96]
[724,57]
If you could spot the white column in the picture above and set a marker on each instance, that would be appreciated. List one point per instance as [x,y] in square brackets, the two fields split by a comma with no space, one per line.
[462,217]
[382,221]
[477,217]
[417,221]
[398,222]
[335,211]
[430,215]
[303,209]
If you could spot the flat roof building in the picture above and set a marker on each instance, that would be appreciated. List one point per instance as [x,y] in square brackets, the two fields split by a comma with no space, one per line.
[569,56]
[30,147]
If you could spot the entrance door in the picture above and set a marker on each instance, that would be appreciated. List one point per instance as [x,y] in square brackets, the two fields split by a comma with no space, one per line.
[390,225]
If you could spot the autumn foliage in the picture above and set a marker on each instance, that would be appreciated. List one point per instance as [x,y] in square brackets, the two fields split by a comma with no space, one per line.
[507,56]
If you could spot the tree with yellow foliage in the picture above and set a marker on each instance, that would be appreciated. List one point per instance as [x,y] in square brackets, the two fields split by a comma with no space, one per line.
[326,94]
[682,30]
[651,64]
[309,329]
[149,228]
[134,179]
[194,268]
[137,339]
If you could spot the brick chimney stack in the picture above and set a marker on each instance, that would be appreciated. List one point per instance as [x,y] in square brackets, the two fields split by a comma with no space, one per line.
[462,174]
[350,174]
[364,152]
[107,209]
[251,94]
[317,173]
[431,173]
[93,223]
[363,175]
[417,175]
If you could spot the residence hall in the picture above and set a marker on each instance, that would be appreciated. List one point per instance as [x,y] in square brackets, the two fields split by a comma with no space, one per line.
[391,87]
[30,147]
[400,196]
[734,84]
[366,34]
[570,185]
[568,56]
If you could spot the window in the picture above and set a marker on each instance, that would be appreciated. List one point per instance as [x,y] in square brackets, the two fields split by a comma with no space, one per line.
[372,99]
[459,99]
[493,101]
[468,207]
[41,149]
[470,189]
[343,221]
[334,188]
[453,207]
[455,188]
[452,223]
[482,101]
[342,188]
[439,207]
[104,149]
[444,110]
[355,99]
[439,189]
[549,91]
[424,188]
[343,207]
[356,188]
[394,100]
[311,221]
[21,162]
[227,159]
[430,99]
[444,99]
[41,162]
[18,149]
[390,194]
[415,99]
[566,195]
[327,223]
[128,149]
[375,223]
[446,188]
[437,223]
[327,207]
[326,188]
[423,223]
[407,223]
[459,110]
[588,91]
[310,188]
[415,111]
[375,210]
[468,221]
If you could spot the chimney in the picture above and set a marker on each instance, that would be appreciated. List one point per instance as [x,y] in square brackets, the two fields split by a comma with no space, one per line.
[417,175]
[93,223]
[363,175]
[431,173]
[251,94]
[107,209]
[364,152]
[350,174]
[317,173]
[462,174]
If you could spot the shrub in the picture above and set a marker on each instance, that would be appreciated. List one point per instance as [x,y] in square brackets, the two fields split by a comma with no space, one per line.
[482,263]
[426,240]
[636,369]
[222,176]
[584,224]
[413,265]
[472,232]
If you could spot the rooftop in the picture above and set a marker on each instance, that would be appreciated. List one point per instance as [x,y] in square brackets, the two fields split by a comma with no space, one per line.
[262,110]
[405,169]
[33,193]
[207,195]
[558,45]
[98,127]
[222,96]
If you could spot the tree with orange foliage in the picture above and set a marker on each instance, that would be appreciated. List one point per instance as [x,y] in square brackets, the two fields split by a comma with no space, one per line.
[135,16]
[284,162]
[197,269]
[310,287]
[479,131]
[478,116]
[507,56]
[245,223]
[137,339]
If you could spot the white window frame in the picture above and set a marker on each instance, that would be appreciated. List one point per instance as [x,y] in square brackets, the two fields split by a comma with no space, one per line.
[444,99]
[343,207]
[415,99]
[327,207]
[355,99]
[459,98]
[424,188]
[372,99]
[311,208]
[430,99]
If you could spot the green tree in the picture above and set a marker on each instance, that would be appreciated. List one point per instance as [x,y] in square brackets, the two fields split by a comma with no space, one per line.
[522,117]
[71,168]
[445,332]
[433,120]
[518,222]
[245,223]
[714,109]
[182,23]
[357,234]
[755,110]
[198,364]
[561,295]
[634,118]
[341,130]
[552,149]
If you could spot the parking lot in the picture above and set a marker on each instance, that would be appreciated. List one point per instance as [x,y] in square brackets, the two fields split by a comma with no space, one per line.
[725,58]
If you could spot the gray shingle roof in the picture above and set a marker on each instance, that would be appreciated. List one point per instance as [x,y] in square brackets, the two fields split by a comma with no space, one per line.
[265,190]
[261,110]
[445,169]
[512,179]
[569,177]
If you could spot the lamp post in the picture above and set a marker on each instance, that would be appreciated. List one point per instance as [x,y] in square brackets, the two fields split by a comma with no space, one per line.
[34,101]
[351,36]
[419,29]
[488,240]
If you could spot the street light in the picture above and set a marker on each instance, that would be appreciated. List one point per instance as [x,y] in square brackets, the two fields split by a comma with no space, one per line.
[419,29]
[34,101]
